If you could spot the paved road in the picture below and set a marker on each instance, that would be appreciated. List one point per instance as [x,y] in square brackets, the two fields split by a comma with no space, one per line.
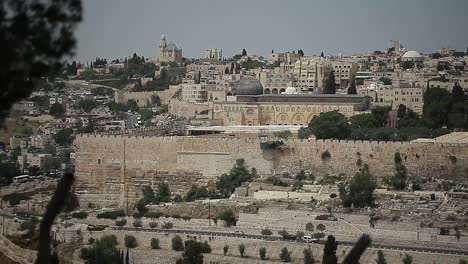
[277,238]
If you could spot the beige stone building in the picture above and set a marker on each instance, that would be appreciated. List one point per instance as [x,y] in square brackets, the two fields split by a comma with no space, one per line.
[309,73]
[169,52]
[250,107]
[275,83]
[394,95]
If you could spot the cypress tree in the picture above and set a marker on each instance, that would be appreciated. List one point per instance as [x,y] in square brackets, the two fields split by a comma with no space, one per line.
[329,251]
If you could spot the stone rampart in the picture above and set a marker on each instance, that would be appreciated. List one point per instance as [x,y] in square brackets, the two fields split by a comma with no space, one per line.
[118,160]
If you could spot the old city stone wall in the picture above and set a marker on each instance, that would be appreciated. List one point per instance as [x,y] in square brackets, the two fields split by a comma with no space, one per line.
[142,98]
[186,109]
[111,163]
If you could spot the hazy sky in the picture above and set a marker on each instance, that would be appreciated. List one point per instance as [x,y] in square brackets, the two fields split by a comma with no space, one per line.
[117,28]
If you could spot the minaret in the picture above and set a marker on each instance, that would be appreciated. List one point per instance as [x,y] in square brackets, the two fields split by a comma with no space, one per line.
[162,43]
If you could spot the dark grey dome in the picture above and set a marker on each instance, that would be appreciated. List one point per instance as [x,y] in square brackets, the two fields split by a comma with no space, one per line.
[249,86]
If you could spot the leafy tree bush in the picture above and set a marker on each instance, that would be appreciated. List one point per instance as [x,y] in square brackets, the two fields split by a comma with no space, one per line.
[359,190]
[266,232]
[155,243]
[87,105]
[225,249]
[177,243]
[167,225]
[329,85]
[137,223]
[308,256]
[381,258]
[228,217]
[130,241]
[102,251]
[285,134]
[408,259]
[57,110]
[121,222]
[64,137]
[285,255]
[15,198]
[242,250]
[193,253]
[80,215]
[283,233]
[330,125]
[227,183]
[71,202]
[262,252]
[111,214]
[153,225]
[329,251]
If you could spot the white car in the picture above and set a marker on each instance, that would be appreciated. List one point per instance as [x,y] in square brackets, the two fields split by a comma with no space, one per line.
[309,239]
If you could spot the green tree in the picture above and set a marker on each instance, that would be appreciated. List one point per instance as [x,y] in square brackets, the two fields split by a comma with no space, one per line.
[285,255]
[192,253]
[437,104]
[463,261]
[381,114]
[262,252]
[308,256]
[227,183]
[228,216]
[57,110]
[64,137]
[87,105]
[398,181]
[329,251]
[352,87]
[363,121]
[155,243]
[358,192]
[242,250]
[303,133]
[164,194]
[329,86]
[386,80]
[225,249]
[244,52]
[408,259]
[330,125]
[46,28]
[102,251]
[177,244]
[130,241]
[380,258]
[405,65]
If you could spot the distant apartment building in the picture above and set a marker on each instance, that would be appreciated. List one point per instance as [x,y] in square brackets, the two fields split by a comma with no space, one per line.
[214,54]
[39,141]
[58,99]
[194,93]
[344,72]
[31,159]
[394,95]
[309,74]
[286,57]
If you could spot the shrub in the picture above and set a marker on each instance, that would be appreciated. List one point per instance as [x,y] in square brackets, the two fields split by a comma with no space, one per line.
[111,214]
[153,225]
[91,240]
[283,233]
[262,253]
[130,241]
[177,243]
[225,249]
[15,198]
[205,247]
[319,235]
[167,225]
[326,155]
[299,234]
[97,227]
[266,232]
[285,255]
[155,243]
[308,256]
[228,217]
[84,253]
[138,214]
[137,223]
[241,250]
[121,222]
[80,215]
[153,215]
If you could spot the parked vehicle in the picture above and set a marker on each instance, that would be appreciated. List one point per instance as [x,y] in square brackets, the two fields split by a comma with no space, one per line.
[309,239]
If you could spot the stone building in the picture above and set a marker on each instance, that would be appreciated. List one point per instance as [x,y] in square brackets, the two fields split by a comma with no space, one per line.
[394,95]
[214,54]
[250,107]
[309,73]
[275,83]
[169,52]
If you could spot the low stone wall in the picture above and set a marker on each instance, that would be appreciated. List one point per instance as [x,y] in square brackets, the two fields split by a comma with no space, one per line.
[14,254]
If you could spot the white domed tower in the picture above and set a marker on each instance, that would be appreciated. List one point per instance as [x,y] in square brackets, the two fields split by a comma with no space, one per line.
[169,52]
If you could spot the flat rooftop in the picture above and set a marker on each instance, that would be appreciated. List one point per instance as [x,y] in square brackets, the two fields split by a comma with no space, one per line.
[454,137]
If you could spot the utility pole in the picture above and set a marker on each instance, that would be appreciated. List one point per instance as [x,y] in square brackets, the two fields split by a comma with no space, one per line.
[209,212]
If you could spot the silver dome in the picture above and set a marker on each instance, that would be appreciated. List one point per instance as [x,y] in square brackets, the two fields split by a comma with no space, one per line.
[249,86]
